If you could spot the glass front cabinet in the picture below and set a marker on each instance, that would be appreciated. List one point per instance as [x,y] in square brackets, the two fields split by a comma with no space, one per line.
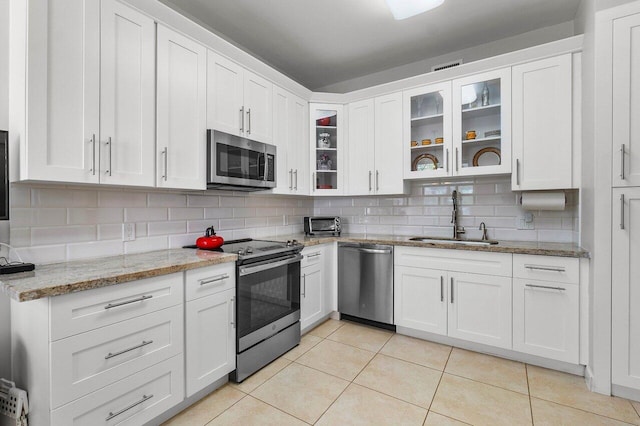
[459,128]
[327,145]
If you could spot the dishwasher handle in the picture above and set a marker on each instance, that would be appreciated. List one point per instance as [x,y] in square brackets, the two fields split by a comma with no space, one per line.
[368,250]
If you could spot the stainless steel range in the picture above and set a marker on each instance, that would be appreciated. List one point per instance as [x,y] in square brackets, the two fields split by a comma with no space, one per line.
[268,302]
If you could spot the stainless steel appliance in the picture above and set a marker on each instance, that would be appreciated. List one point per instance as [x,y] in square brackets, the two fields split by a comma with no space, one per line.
[321,225]
[365,282]
[238,163]
[268,302]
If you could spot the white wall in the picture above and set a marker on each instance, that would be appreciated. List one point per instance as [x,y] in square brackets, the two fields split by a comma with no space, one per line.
[509,44]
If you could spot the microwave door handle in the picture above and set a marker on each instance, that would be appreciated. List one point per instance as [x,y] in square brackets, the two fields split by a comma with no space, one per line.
[266,166]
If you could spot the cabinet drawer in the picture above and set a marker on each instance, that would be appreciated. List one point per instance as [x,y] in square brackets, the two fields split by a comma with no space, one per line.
[312,256]
[86,362]
[79,312]
[206,281]
[547,268]
[134,400]
[476,262]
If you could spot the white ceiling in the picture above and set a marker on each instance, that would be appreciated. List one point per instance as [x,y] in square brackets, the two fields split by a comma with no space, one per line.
[322,42]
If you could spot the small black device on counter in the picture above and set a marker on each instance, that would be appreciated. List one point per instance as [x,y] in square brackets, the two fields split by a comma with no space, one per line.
[322,225]
[15,267]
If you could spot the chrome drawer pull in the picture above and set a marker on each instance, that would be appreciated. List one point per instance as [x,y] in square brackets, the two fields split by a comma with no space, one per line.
[313,255]
[622,211]
[233,312]
[304,286]
[213,280]
[139,299]
[441,288]
[135,404]
[451,289]
[545,268]
[546,287]
[141,345]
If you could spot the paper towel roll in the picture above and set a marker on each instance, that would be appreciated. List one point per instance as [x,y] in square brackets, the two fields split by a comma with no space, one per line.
[543,200]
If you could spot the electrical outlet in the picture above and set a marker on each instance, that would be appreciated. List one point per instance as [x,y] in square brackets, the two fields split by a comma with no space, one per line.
[525,221]
[128,231]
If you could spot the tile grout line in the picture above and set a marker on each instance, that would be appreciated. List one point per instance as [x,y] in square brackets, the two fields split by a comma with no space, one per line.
[526,372]
[440,380]
[581,409]
[226,409]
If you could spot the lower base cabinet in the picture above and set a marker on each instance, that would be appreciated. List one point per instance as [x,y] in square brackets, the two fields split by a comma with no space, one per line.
[420,299]
[312,286]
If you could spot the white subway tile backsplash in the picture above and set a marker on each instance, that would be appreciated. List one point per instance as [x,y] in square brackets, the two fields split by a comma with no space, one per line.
[111,232]
[231,223]
[88,216]
[177,241]
[21,217]
[121,199]
[186,213]
[218,213]
[203,201]
[145,214]
[393,220]
[19,237]
[201,226]
[63,234]
[20,195]
[166,228]
[58,197]
[43,253]
[244,212]
[141,229]
[94,249]
[166,200]
[141,245]
[232,201]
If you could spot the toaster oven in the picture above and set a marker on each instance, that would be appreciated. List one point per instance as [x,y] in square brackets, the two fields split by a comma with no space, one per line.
[322,225]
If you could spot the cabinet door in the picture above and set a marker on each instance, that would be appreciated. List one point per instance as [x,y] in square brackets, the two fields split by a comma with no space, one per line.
[225,111]
[182,131]
[546,319]
[127,96]
[258,106]
[625,294]
[210,337]
[388,176]
[542,124]
[420,299]
[360,150]
[427,118]
[482,124]
[281,127]
[327,149]
[480,308]
[626,101]
[299,144]
[311,295]
[63,100]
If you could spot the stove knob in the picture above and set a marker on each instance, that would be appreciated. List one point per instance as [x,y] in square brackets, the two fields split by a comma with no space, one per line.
[294,243]
[249,250]
[289,243]
[241,252]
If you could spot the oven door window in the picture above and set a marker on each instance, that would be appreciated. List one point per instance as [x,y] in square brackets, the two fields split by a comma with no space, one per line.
[266,296]
[235,162]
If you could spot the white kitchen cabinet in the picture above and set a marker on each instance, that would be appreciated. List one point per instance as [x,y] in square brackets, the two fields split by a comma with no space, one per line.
[374,153]
[542,124]
[420,299]
[625,295]
[482,124]
[427,143]
[626,84]
[480,308]
[239,102]
[327,135]
[90,106]
[290,121]
[181,111]
[312,282]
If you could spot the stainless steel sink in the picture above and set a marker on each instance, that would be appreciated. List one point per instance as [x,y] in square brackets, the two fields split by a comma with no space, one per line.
[440,240]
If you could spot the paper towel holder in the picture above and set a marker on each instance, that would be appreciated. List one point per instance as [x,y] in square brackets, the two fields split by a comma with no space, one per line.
[564,199]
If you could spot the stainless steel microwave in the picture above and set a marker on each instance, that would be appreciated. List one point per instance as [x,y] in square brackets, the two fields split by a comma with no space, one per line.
[238,163]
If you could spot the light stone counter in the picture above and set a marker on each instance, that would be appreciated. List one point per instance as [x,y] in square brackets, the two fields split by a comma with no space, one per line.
[68,277]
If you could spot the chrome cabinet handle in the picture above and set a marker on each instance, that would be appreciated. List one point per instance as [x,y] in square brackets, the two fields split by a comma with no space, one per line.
[241,119]
[377,180]
[304,286]
[213,280]
[295,173]
[622,153]
[128,302]
[370,180]
[446,159]
[622,211]
[441,288]
[232,306]
[313,182]
[165,153]
[545,268]
[93,154]
[517,172]
[108,143]
[313,255]
[124,410]
[248,121]
[290,179]
[545,287]
[456,159]
[451,289]
[141,345]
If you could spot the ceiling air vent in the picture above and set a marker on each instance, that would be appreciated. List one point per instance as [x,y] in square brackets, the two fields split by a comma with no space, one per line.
[446,66]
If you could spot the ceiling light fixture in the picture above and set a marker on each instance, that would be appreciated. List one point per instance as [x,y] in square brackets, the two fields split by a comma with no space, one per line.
[402,9]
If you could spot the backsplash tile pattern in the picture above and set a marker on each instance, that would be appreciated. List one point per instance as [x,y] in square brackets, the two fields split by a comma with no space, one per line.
[426,210]
[55,223]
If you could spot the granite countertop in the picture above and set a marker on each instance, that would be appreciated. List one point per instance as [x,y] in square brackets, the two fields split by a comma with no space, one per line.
[517,247]
[69,277]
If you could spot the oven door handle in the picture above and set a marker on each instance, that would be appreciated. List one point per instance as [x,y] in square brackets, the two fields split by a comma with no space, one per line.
[248,270]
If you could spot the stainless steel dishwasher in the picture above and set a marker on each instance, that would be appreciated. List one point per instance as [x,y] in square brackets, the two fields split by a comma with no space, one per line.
[365,281]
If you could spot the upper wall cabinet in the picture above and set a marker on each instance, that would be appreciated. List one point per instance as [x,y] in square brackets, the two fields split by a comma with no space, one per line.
[182,129]
[238,101]
[90,74]
[374,157]
[328,146]
[482,124]
[290,135]
[542,124]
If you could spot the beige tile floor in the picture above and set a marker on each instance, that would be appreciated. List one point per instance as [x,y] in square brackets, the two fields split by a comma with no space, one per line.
[348,374]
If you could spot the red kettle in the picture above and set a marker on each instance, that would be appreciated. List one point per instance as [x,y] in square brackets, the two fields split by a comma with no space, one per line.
[210,240]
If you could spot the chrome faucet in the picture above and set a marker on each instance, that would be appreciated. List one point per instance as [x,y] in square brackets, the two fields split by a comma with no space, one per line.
[483,228]
[457,229]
